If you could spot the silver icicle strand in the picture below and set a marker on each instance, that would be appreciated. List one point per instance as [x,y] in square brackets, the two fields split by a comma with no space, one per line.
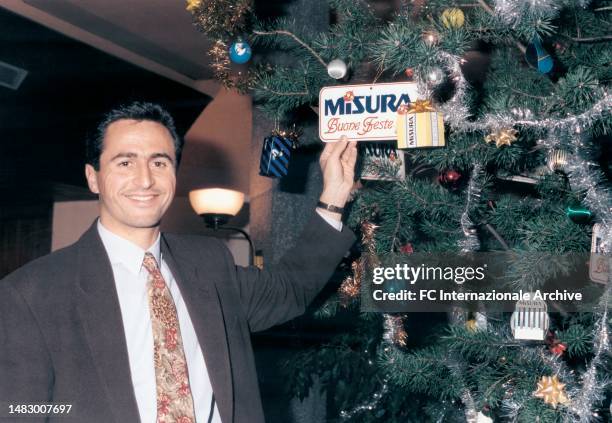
[470,240]
[458,369]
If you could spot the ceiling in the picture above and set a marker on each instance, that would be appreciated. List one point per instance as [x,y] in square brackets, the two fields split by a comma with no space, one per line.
[155,34]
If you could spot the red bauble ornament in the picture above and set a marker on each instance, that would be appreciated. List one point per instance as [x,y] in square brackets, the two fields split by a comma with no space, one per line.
[560,47]
[554,345]
[558,349]
[449,179]
[407,249]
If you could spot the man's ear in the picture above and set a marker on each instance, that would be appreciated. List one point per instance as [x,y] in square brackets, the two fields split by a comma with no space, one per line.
[92,178]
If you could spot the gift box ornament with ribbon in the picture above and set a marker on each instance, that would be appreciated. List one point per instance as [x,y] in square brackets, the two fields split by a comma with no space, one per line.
[276,153]
[419,125]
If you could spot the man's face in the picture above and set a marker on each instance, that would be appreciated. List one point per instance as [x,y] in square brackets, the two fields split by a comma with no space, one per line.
[137,179]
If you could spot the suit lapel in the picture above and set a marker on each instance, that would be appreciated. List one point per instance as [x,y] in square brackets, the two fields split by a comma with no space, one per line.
[98,306]
[202,300]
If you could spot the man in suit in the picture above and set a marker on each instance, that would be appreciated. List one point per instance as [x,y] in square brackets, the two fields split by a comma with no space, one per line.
[129,324]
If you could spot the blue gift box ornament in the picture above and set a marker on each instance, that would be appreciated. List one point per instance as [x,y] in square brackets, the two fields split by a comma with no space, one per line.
[538,57]
[275,155]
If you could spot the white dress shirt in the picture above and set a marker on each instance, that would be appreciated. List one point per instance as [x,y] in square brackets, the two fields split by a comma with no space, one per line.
[131,282]
[336,224]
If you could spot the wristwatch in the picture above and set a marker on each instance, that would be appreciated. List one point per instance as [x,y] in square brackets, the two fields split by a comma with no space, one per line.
[330,208]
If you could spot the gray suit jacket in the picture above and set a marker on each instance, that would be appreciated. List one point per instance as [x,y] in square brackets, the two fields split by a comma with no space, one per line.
[62,338]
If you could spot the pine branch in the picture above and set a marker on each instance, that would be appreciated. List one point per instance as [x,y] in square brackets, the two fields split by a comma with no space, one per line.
[497,236]
[603,38]
[296,39]
[491,12]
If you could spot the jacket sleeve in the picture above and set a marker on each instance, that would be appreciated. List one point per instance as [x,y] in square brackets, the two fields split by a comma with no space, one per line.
[273,296]
[26,375]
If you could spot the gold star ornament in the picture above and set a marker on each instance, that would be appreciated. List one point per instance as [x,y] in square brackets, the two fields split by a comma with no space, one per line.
[551,391]
[505,136]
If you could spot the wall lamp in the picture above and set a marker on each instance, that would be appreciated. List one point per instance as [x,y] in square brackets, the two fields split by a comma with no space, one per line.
[217,206]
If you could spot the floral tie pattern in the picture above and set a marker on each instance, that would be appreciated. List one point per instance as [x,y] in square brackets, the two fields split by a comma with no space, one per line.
[174,400]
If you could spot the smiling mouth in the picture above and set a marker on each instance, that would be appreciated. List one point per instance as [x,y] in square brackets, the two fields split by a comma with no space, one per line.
[142,198]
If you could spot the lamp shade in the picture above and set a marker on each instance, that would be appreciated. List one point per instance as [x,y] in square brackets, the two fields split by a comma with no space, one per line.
[216,201]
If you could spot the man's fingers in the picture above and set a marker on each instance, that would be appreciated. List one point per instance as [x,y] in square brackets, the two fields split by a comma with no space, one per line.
[350,153]
[339,148]
[333,149]
[349,158]
[329,146]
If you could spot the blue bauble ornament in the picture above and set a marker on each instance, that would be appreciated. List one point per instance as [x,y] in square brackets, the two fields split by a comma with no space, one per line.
[240,52]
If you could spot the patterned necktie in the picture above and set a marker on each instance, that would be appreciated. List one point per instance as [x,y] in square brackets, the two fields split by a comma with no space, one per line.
[174,400]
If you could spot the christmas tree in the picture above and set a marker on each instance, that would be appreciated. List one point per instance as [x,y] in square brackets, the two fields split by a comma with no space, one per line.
[525,169]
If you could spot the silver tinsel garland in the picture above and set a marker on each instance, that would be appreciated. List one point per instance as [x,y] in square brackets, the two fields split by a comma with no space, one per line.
[470,241]
[593,385]
[368,405]
[456,113]
[372,403]
[511,12]
[455,110]
[458,369]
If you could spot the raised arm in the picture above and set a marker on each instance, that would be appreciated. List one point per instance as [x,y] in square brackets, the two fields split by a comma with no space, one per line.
[276,295]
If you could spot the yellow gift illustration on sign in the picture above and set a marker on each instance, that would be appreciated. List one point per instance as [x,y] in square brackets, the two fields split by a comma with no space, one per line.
[419,125]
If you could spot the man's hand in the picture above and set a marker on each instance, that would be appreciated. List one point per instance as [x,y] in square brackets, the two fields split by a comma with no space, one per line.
[338,166]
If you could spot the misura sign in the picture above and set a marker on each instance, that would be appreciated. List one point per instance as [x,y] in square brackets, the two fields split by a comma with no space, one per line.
[362,112]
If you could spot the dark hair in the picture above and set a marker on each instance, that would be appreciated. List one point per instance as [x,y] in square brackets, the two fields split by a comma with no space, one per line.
[138,111]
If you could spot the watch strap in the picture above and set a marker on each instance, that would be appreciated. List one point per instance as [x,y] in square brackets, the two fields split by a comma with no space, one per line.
[330,207]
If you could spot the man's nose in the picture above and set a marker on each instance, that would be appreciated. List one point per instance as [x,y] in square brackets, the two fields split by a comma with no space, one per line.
[144,177]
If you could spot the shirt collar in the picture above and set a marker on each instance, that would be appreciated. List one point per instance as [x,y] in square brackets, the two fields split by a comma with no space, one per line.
[122,251]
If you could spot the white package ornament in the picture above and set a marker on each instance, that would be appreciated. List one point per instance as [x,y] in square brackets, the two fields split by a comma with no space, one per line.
[598,264]
[530,320]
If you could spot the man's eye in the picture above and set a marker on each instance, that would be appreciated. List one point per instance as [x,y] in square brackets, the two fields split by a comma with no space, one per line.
[160,164]
[124,164]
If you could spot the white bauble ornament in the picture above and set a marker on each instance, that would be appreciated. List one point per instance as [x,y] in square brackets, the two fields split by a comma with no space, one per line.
[337,69]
